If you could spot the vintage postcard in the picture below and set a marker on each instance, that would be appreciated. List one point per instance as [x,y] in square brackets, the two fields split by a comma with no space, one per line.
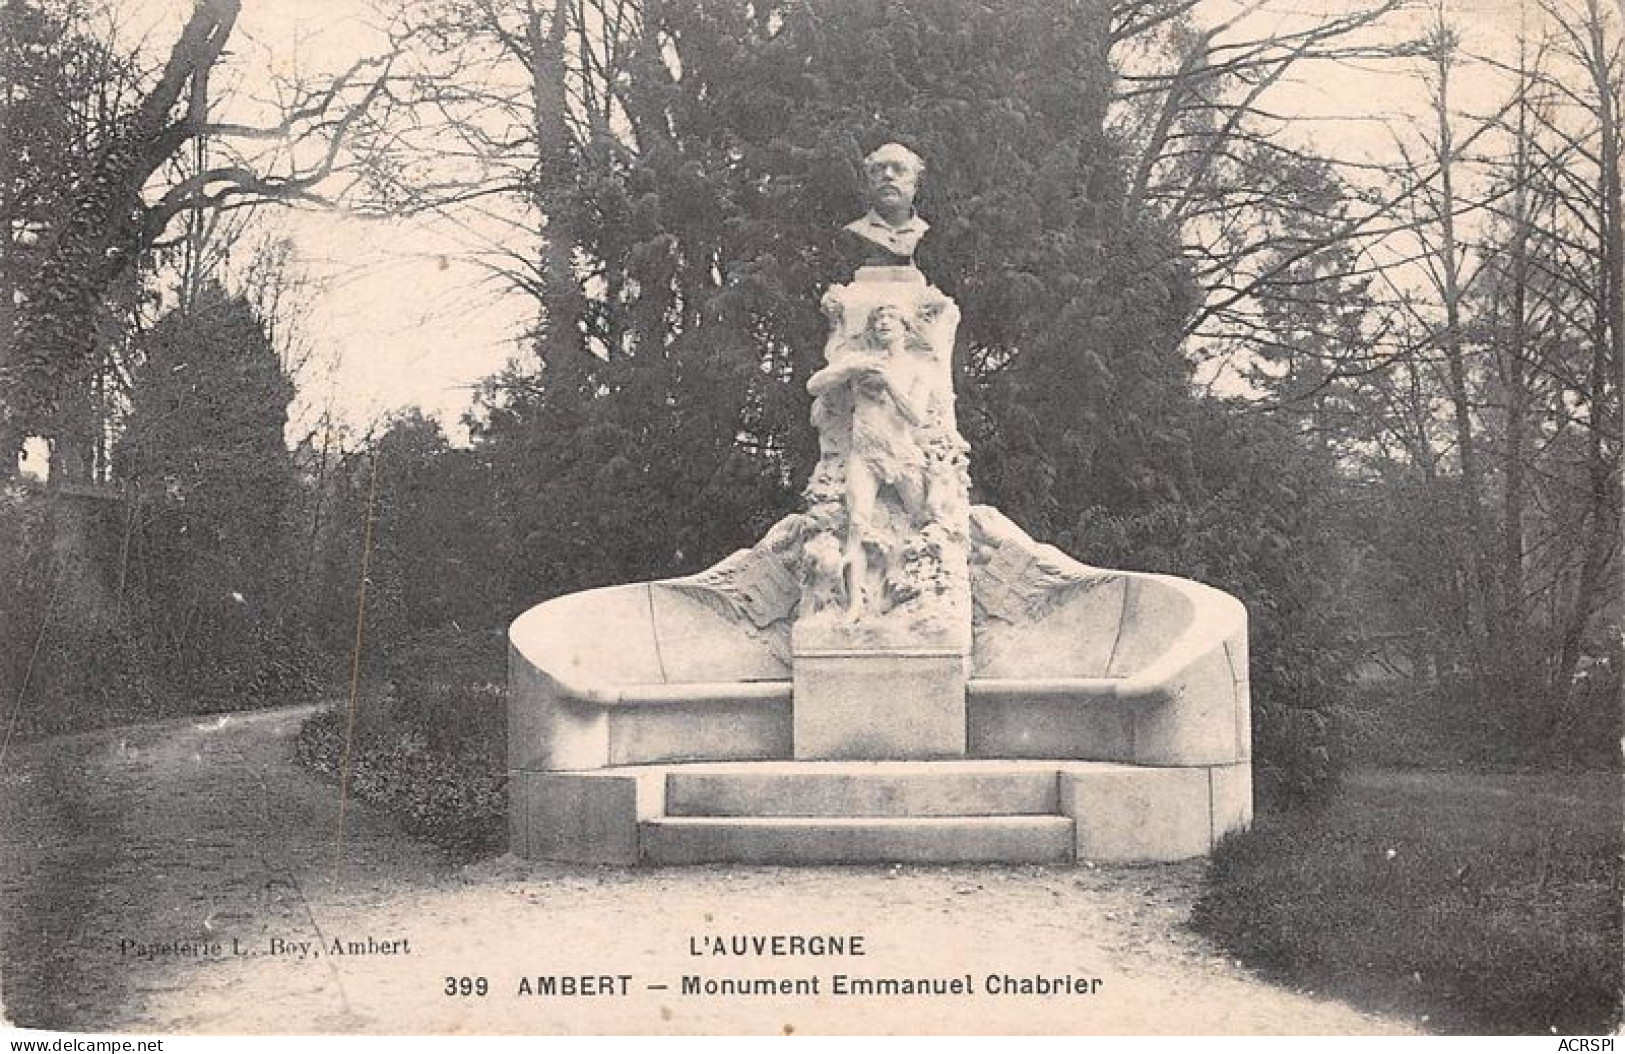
[660,517]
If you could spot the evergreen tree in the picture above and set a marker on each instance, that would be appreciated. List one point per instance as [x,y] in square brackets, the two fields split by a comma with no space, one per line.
[212,478]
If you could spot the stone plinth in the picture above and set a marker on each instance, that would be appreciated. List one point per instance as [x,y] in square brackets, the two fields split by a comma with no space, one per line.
[878,704]
[790,812]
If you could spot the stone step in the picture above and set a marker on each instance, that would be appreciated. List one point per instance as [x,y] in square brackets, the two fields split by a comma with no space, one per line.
[858,789]
[866,840]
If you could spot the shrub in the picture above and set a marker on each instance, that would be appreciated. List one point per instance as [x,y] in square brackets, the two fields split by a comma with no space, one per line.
[456,801]
[430,744]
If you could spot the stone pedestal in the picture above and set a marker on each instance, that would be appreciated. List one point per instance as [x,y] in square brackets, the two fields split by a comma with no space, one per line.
[871,705]
[883,629]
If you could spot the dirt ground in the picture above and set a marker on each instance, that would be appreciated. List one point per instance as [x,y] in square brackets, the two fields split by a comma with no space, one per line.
[162,878]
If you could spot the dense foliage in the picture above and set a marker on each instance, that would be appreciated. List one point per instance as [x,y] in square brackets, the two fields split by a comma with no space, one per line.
[174,589]
[677,384]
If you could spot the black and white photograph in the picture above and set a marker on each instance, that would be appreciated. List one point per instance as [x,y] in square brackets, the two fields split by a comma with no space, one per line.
[812,517]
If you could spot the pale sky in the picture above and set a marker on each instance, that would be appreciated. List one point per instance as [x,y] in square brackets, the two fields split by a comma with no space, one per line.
[405,317]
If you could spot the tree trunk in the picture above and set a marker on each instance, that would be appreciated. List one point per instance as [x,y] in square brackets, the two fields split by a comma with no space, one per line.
[1607,355]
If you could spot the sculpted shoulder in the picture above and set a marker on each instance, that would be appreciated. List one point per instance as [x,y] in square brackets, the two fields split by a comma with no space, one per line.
[888,244]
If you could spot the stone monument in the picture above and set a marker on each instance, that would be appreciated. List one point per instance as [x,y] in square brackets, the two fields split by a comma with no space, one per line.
[890,673]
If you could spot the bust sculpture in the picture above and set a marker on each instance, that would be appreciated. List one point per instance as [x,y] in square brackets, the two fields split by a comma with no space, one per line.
[888,233]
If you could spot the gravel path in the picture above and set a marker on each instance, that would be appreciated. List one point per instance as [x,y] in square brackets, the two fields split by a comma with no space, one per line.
[163,878]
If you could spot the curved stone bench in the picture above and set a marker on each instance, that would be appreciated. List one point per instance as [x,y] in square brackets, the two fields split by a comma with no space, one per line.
[1144,674]
[1079,662]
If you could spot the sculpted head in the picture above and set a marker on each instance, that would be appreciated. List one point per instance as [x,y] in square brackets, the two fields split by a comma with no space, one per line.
[889,327]
[893,172]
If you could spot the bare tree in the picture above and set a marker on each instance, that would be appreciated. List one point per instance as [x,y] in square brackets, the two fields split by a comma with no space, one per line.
[1207,113]
[121,206]
[1449,322]
[1595,45]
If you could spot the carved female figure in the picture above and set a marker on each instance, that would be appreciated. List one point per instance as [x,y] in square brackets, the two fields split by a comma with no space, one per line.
[883,394]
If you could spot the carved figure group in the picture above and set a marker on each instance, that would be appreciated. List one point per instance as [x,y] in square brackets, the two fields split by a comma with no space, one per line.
[879,556]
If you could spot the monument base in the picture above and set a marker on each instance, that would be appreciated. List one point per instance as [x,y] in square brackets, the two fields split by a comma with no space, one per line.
[1096,715]
[867,812]
[873,705]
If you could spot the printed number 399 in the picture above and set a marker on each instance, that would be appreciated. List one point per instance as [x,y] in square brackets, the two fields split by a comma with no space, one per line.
[467,986]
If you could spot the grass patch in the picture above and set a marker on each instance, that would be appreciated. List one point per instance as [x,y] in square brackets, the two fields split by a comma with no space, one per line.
[1488,902]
